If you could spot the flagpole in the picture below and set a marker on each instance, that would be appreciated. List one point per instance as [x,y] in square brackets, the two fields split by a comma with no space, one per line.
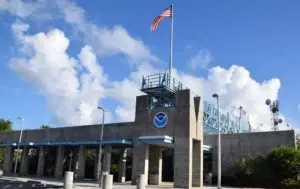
[171,42]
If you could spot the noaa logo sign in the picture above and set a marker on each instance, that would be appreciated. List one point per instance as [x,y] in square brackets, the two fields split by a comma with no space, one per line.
[160,119]
[228,160]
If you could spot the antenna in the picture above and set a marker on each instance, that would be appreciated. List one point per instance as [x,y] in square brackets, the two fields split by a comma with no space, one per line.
[274,108]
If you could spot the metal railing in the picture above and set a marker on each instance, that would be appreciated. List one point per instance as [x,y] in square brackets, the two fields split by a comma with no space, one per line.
[162,80]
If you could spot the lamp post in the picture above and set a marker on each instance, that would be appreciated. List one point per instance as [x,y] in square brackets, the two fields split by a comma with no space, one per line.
[216,96]
[99,168]
[18,148]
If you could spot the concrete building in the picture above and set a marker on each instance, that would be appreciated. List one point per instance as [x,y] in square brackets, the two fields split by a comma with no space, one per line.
[173,121]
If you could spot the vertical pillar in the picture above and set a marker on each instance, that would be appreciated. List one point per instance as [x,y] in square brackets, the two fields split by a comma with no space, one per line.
[107,159]
[96,164]
[80,164]
[183,163]
[58,172]
[155,165]
[41,162]
[140,161]
[24,162]
[122,165]
[197,180]
[8,158]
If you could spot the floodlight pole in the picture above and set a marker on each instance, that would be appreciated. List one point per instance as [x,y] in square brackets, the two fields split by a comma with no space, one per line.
[219,141]
[99,168]
[240,108]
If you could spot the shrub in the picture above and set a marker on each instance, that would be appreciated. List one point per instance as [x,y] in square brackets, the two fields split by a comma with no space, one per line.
[284,164]
[278,169]
[252,172]
[291,183]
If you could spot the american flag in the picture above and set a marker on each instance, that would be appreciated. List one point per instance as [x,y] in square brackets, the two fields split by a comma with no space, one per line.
[159,19]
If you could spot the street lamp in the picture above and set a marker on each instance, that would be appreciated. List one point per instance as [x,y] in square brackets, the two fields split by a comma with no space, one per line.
[99,168]
[216,96]
[18,148]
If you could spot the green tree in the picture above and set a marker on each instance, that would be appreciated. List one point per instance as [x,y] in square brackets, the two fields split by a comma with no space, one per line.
[298,141]
[45,127]
[5,125]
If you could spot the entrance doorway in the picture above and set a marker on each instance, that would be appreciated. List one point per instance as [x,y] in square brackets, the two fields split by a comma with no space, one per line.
[207,163]
[168,165]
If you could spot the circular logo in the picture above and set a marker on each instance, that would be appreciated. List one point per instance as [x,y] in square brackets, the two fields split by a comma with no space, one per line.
[228,160]
[160,119]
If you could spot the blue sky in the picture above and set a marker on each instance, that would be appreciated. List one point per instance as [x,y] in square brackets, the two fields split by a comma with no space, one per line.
[261,36]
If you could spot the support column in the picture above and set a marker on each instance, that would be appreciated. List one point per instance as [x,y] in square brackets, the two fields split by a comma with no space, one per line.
[107,158]
[8,159]
[58,172]
[24,162]
[122,165]
[96,163]
[155,165]
[140,162]
[183,163]
[79,167]
[41,162]
[197,180]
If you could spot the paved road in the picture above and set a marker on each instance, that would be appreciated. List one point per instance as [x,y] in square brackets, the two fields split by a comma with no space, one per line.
[13,184]
[31,183]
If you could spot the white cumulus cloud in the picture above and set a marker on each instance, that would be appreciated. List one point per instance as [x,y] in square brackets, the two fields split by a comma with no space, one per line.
[72,86]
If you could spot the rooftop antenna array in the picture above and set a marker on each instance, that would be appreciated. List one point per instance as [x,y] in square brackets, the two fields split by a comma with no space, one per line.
[274,108]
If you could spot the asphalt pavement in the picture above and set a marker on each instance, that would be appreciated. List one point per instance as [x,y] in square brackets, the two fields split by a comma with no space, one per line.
[47,183]
[16,184]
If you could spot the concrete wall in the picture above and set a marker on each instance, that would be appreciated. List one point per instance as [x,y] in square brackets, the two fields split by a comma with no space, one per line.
[116,131]
[237,146]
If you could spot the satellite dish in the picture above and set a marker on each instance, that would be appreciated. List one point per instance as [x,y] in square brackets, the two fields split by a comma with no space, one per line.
[280,121]
[268,102]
